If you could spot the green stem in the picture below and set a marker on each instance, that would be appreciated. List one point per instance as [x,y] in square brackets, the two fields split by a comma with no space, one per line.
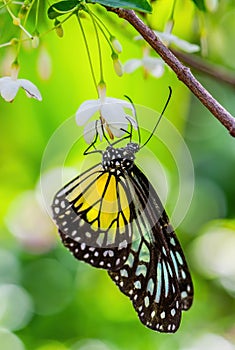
[88,51]
[36,15]
[102,30]
[173,11]
[99,46]
[102,23]
[21,34]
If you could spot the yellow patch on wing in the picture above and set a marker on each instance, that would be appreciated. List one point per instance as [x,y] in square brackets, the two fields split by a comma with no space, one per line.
[105,201]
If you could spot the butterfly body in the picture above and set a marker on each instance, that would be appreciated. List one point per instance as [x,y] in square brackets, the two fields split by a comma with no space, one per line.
[112,218]
[119,158]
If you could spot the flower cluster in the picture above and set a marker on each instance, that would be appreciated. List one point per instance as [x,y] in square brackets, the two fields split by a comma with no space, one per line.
[155,65]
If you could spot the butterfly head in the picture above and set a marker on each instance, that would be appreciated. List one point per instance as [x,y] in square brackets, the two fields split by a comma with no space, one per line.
[119,158]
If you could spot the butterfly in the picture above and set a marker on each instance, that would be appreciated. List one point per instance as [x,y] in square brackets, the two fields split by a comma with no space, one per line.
[111,217]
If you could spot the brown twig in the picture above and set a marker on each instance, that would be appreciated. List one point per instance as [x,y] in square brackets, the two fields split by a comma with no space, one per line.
[183,73]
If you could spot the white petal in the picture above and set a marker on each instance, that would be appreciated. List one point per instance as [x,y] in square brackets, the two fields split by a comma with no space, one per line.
[116,119]
[151,63]
[90,131]
[116,129]
[113,113]
[158,71]
[4,80]
[122,103]
[165,37]
[131,65]
[9,89]
[30,89]
[99,129]
[185,45]
[86,111]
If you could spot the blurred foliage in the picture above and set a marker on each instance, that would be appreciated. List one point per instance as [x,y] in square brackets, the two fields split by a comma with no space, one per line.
[50,301]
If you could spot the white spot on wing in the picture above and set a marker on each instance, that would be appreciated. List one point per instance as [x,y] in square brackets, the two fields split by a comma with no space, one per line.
[57,210]
[150,286]
[137,284]
[124,273]
[146,301]
[173,312]
[184,295]
[141,269]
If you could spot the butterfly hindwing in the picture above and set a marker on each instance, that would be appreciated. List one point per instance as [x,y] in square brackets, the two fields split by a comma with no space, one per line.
[93,214]
[155,275]
[166,237]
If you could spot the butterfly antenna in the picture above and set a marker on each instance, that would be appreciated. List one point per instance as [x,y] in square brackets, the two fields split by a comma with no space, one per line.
[135,115]
[159,119]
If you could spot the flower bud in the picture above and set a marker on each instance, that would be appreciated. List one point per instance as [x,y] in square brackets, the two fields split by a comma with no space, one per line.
[116,44]
[59,29]
[44,65]
[211,5]
[117,65]
[35,42]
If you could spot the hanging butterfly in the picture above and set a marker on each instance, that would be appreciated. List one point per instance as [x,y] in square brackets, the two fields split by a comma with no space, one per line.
[111,217]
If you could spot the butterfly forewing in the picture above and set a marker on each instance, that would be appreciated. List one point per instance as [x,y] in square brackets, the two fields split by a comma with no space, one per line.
[93,214]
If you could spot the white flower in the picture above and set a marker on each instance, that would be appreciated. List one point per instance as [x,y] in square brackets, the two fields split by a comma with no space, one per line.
[112,116]
[9,87]
[184,45]
[168,38]
[152,65]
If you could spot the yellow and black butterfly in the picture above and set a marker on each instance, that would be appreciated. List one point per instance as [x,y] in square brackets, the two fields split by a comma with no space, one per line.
[111,217]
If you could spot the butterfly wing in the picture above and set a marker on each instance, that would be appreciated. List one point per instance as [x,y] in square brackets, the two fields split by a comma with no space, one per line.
[93,213]
[155,276]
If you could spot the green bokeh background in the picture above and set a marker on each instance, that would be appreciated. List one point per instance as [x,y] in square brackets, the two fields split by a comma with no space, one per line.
[71,305]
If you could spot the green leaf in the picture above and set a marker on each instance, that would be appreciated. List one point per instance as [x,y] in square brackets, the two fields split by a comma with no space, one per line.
[62,7]
[200,4]
[139,5]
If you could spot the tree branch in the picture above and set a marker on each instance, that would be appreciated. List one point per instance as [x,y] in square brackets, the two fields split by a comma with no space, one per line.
[183,73]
